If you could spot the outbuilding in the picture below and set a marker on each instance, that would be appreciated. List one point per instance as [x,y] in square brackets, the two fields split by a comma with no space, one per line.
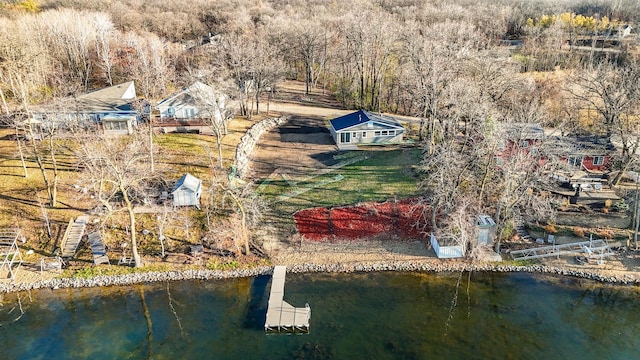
[486,230]
[187,191]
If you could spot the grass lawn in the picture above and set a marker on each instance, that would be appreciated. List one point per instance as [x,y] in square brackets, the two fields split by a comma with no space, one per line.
[384,174]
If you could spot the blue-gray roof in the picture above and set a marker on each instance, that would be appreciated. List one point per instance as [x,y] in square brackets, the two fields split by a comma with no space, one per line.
[188,181]
[361,117]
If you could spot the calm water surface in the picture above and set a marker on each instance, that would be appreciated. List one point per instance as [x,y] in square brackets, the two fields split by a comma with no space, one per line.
[355,316]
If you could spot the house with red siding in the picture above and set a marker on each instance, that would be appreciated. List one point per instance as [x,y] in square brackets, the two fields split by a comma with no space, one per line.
[589,153]
[518,138]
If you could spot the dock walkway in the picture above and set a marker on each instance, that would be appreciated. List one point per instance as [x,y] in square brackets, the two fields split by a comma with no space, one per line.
[593,249]
[281,316]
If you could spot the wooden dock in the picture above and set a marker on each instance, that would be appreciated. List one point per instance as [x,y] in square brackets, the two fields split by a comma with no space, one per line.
[281,316]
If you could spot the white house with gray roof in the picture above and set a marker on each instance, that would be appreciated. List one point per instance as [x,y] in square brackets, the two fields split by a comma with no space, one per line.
[112,107]
[192,102]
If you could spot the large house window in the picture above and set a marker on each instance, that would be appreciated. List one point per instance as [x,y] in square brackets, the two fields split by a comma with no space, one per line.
[345,137]
[392,133]
[364,134]
[111,125]
[384,133]
[524,144]
[598,160]
[376,133]
[575,161]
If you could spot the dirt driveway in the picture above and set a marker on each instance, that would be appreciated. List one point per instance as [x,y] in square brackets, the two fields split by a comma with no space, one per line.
[304,143]
[300,146]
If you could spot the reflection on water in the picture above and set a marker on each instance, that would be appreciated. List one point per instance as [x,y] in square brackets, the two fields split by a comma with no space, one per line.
[355,316]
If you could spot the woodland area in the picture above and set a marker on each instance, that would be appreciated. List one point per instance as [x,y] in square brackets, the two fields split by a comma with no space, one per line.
[464,68]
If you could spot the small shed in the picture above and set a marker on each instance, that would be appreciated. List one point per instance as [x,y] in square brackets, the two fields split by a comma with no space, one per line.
[187,191]
[486,230]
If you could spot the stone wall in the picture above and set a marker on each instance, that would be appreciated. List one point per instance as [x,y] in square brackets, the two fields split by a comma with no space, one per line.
[249,141]
[426,265]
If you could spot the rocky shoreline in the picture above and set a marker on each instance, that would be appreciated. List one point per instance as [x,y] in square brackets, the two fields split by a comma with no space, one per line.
[403,266]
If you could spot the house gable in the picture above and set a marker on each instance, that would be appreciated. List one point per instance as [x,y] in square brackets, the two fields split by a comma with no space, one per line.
[185,103]
[372,125]
[361,117]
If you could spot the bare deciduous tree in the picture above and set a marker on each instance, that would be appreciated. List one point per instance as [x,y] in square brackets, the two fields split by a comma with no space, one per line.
[115,169]
[215,112]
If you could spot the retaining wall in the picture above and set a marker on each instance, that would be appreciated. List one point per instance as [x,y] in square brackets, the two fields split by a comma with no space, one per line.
[250,139]
[420,266]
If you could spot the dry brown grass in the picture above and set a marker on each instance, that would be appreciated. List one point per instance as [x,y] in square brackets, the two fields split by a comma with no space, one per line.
[20,197]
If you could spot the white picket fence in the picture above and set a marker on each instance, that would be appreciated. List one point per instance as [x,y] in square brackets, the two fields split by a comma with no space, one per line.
[446,252]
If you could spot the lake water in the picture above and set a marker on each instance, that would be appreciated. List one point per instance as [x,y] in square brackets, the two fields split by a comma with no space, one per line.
[354,316]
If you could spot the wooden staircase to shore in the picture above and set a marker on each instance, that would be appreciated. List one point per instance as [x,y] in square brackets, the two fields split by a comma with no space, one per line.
[518,223]
[73,236]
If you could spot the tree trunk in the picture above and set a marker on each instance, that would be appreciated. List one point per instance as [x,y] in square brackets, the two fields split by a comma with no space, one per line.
[432,135]
[485,176]
[21,152]
[499,233]
[243,221]
[268,102]
[257,102]
[4,102]
[219,144]
[245,235]
[361,88]
[43,170]
[307,78]
[132,224]
[434,219]
[151,159]
[636,215]
[54,163]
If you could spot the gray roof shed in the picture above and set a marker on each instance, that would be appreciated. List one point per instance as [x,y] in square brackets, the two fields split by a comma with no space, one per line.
[187,191]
